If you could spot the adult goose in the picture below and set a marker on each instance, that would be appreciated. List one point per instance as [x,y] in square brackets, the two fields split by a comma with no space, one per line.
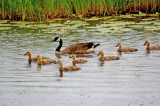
[148,47]
[79,48]
[125,49]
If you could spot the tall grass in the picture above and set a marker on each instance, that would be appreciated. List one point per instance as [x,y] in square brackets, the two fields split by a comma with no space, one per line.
[35,10]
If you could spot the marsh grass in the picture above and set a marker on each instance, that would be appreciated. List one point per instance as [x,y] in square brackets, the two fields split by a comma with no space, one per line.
[36,10]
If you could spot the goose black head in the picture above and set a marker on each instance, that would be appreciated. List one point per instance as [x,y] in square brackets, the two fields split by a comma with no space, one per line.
[56,39]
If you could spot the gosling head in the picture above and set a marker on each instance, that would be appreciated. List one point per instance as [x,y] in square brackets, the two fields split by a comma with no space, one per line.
[28,53]
[59,62]
[146,42]
[56,39]
[60,65]
[119,44]
[73,56]
[100,53]
[39,57]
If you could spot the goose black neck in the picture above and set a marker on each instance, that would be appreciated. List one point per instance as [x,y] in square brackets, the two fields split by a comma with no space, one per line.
[60,45]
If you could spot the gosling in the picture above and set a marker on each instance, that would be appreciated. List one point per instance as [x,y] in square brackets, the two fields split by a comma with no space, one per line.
[103,58]
[32,59]
[148,47]
[128,49]
[75,61]
[41,61]
[66,68]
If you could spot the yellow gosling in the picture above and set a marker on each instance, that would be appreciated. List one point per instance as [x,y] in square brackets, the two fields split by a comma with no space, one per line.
[33,59]
[103,58]
[127,49]
[148,47]
[75,61]
[66,68]
[30,58]
[41,61]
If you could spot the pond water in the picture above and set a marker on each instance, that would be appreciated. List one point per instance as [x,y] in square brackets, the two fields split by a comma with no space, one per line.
[134,80]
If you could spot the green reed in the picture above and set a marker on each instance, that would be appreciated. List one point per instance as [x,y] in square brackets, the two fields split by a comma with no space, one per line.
[35,10]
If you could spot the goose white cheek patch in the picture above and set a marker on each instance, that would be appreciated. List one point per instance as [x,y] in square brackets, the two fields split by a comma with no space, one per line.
[58,40]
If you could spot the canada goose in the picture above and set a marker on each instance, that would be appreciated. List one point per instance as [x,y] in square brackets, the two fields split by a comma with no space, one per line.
[32,59]
[66,68]
[79,48]
[128,49]
[103,58]
[148,47]
[74,60]
[41,61]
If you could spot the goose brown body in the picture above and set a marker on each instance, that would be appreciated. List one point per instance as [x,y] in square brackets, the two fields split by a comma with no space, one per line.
[79,48]
[127,49]
[66,68]
[148,47]
[103,58]
[75,61]
[41,61]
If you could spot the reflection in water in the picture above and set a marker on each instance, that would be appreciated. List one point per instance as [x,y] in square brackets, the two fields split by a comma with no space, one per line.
[147,53]
[39,67]
[28,65]
[108,83]
[119,53]
[101,63]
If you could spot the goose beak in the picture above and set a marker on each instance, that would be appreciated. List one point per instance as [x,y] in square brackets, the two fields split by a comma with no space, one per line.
[56,39]
[52,40]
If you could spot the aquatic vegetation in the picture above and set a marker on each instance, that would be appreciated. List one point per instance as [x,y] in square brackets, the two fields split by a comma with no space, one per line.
[35,10]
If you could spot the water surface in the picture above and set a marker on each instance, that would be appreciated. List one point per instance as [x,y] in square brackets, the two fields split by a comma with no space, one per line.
[134,80]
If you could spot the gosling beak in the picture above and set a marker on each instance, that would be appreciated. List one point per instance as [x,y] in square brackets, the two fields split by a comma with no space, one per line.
[98,54]
[25,54]
[55,62]
[144,44]
[116,45]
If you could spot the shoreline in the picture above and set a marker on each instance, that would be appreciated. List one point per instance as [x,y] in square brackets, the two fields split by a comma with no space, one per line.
[129,17]
[35,10]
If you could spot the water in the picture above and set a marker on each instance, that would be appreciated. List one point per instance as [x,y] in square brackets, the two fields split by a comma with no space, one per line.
[134,80]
